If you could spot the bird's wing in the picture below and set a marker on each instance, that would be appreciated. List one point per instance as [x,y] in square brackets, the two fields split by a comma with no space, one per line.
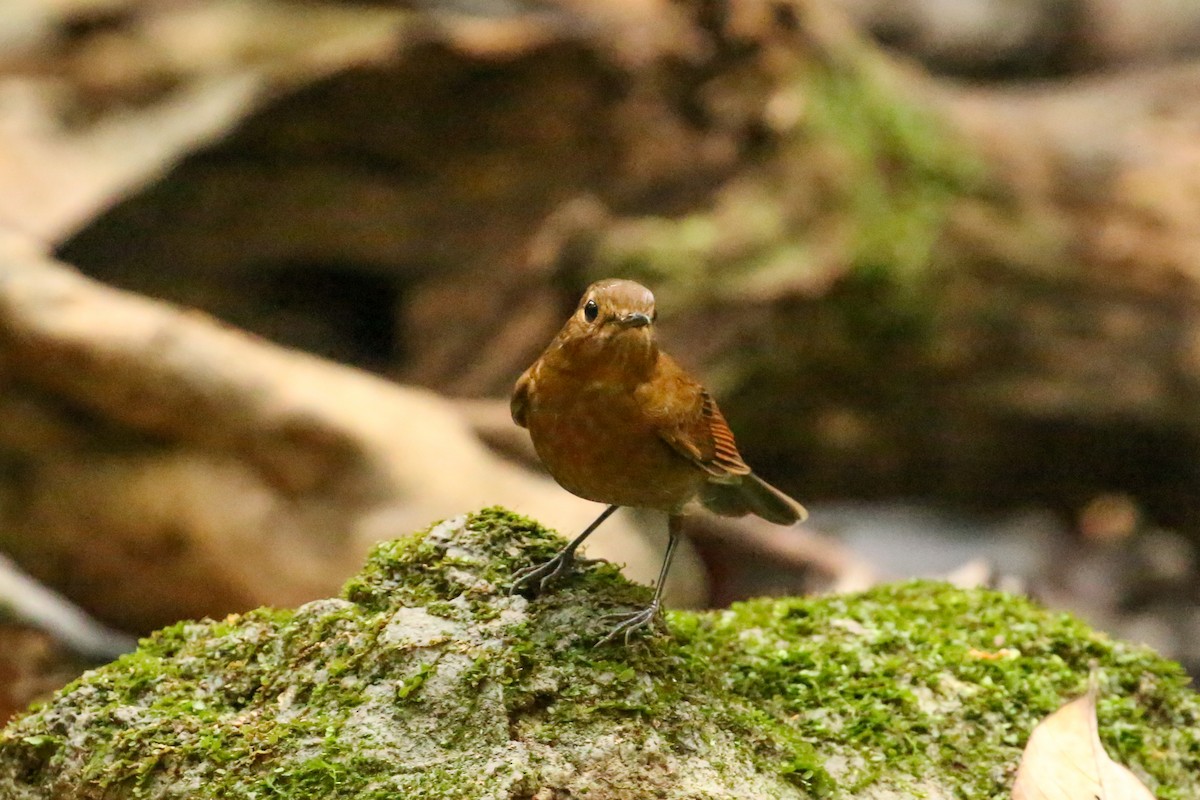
[686,417]
[519,404]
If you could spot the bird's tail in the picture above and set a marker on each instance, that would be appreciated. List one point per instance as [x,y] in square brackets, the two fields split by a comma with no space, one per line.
[752,495]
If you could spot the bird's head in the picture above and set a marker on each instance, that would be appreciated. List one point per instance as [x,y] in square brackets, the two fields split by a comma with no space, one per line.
[614,320]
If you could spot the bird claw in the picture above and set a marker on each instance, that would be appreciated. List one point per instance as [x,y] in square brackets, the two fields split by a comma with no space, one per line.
[630,623]
[562,564]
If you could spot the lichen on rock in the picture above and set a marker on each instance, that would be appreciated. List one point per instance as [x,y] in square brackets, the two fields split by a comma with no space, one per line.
[428,680]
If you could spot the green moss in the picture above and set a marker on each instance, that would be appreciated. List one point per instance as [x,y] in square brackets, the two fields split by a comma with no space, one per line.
[413,570]
[427,680]
[919,677]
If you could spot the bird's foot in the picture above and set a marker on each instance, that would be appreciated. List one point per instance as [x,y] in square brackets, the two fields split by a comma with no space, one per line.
[562,564]
[629,623]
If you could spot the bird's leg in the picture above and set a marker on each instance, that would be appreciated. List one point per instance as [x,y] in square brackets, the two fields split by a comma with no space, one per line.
[646,616]
[563,563]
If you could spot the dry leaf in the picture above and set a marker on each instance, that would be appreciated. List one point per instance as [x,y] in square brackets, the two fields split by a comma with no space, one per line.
[1064,760]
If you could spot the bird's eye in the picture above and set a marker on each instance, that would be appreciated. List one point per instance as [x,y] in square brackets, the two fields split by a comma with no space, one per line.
[654,315]
[590,310]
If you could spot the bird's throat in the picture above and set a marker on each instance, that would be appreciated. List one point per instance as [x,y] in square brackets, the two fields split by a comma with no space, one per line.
[627,357]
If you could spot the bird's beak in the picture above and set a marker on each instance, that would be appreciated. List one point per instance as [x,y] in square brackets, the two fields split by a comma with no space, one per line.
[635,320]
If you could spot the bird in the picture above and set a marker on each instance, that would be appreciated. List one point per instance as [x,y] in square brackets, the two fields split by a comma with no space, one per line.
[617,421]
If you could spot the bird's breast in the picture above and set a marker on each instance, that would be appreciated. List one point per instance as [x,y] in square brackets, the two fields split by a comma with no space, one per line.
[597,443]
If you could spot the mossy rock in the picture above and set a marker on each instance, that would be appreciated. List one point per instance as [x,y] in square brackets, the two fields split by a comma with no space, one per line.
[427,680]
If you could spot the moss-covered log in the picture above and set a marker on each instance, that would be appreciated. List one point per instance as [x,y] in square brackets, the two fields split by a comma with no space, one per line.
[426,679]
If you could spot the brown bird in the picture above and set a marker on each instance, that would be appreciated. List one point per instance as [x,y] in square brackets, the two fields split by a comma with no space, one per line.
[617,421]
